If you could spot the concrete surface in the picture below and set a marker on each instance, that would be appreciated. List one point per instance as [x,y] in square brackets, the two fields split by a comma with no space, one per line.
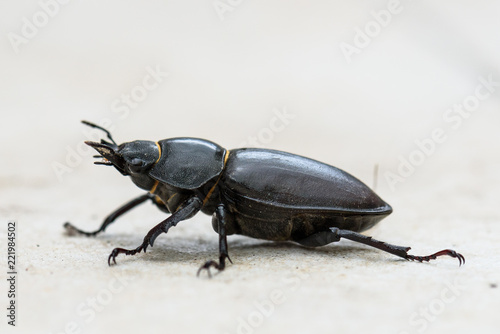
[265,74]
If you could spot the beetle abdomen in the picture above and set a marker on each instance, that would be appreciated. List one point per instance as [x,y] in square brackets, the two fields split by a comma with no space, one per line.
[293,182]
[295,225]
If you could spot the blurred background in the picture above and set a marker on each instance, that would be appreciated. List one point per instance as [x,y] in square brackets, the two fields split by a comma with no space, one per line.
[409,86]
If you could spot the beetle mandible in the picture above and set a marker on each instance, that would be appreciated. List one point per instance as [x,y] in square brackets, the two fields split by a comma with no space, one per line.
[260,193]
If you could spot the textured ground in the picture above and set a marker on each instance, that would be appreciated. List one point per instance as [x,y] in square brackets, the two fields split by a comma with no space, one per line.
[420,100]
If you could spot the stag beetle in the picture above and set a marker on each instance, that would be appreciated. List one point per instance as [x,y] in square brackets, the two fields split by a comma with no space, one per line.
[260,193]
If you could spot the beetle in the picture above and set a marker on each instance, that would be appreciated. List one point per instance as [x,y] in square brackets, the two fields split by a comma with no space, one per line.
[259,193]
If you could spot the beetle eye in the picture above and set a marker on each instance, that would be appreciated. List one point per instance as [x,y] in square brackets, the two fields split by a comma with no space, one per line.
[136,162]
[136,165]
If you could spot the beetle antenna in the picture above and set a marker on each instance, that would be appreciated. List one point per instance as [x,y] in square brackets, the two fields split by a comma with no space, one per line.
[105,142]
[100,128]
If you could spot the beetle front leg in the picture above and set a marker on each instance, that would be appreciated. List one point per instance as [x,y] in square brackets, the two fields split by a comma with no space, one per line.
[185,211]
[111,217]
[220,216]
[395,250]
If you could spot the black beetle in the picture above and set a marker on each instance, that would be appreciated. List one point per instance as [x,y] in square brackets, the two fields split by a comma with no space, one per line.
[259,193]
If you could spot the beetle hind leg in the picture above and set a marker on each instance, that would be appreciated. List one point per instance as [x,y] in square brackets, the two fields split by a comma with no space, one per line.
[393,249]
[319,239]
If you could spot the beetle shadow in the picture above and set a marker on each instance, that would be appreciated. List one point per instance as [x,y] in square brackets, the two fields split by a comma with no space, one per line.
[173,250]
[289,248]
[198,250]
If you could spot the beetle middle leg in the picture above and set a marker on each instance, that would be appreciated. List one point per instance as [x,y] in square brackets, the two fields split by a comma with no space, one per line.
[188,209]
[221,217]
[334,234]
[112,216]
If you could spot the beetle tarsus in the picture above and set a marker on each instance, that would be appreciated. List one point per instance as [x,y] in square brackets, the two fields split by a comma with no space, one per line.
[117,251]
[147,241]
[448,252]
[207,266]
[217,265]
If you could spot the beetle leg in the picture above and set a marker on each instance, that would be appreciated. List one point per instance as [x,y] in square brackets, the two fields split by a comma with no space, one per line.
[185,211]
[449,252]
[392,249]
[319,239]
[220,215]
[111,217]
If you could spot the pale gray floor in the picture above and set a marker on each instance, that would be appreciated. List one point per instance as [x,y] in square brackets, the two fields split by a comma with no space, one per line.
[274,72]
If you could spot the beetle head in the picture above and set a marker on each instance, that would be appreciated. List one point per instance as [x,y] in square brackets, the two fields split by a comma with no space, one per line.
[133,159]
[128,158]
